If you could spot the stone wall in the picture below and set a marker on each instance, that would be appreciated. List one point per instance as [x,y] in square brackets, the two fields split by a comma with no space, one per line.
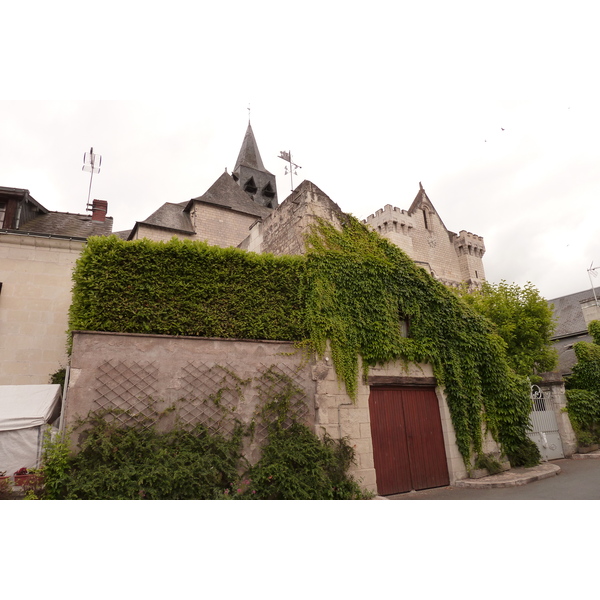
[206,381]
[340,417]
[449,257]
[284,230]
[158,234]
[219,226]
[553,387]
[148,373]
[34,303]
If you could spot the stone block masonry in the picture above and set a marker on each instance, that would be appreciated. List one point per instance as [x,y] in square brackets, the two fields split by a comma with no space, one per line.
[449,257]
[145,374]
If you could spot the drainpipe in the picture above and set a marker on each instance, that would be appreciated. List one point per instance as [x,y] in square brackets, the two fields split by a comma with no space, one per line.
[61,422]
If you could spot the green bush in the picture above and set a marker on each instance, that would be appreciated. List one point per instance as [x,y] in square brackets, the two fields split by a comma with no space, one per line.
[137,463]
[128,463]
[487,461]
[297,465]
[525,455]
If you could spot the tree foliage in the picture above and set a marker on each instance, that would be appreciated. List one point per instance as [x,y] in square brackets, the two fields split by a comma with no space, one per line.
[523,319]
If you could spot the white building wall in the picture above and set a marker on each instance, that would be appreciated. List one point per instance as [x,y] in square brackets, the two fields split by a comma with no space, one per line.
[34,304]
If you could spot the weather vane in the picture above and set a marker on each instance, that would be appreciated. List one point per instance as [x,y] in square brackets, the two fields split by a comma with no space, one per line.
[91,162]
[287,156]
[592,271]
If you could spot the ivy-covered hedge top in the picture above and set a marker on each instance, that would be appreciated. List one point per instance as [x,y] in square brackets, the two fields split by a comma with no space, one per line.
[352,288]
[187,288]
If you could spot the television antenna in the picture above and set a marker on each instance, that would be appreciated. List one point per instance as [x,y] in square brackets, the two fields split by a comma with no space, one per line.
[287,156]
[91,163]
[592,272]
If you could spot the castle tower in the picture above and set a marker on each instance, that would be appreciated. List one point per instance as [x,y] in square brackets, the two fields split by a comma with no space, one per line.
[451,258]
[251,175]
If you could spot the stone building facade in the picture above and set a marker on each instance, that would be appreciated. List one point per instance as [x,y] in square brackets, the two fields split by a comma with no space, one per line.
[419,231]
[38,250]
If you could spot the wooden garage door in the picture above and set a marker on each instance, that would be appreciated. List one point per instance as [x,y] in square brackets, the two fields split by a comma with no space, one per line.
[408,444]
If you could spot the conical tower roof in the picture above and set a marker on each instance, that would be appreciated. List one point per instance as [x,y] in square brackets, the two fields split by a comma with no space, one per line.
[249,155]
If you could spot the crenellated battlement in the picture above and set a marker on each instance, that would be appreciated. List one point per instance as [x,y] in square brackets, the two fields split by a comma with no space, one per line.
[387,211]
[469,243]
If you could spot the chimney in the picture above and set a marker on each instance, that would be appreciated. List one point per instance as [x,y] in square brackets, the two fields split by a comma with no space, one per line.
[99,210]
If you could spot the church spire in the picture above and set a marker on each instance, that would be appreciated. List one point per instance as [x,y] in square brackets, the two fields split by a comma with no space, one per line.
[249,154]
[250,173]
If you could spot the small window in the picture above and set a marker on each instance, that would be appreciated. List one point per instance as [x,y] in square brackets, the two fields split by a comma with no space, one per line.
[404,326]
[2,212]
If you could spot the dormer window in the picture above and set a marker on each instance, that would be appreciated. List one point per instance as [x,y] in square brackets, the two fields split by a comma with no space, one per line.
[268,191]
[250,186]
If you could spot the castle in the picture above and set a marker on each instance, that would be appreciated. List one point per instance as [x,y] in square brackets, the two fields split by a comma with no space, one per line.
[39,247]
[241,209]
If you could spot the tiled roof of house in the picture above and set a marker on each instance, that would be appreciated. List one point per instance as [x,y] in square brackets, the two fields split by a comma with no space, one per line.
[67,225]
[568,313]
[227,193]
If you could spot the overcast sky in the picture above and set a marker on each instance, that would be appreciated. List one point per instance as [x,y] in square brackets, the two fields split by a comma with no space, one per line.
[493,107]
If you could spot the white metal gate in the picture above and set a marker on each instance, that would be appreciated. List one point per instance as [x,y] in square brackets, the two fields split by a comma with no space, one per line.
[544,430]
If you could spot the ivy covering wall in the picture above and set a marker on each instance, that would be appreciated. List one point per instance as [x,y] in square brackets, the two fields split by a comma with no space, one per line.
[362,287]
[353,288]
[583,389]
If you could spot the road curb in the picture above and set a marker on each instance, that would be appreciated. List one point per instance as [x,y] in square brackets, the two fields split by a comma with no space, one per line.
[592,455]
[511,478]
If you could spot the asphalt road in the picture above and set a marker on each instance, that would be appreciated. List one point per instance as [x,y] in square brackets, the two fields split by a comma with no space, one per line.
[577,480]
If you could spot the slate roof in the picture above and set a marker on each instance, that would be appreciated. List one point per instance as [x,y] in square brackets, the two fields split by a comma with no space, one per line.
[171,216]
[568,313]
[249,154]
[227,193]
[67,225]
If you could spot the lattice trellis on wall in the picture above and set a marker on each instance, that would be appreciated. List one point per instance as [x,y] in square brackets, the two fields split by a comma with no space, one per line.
[211,396]
[125,390]
[278,385]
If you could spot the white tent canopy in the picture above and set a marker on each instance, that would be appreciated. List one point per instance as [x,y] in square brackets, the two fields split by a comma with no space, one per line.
[24,412]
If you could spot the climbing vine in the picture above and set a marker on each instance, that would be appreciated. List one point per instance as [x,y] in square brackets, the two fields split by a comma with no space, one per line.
[145,460]
[353,288]
[360,289]
[583,393]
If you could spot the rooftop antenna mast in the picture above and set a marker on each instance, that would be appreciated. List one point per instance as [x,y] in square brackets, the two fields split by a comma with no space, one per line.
[287,156]
[592,271]
[91,162]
